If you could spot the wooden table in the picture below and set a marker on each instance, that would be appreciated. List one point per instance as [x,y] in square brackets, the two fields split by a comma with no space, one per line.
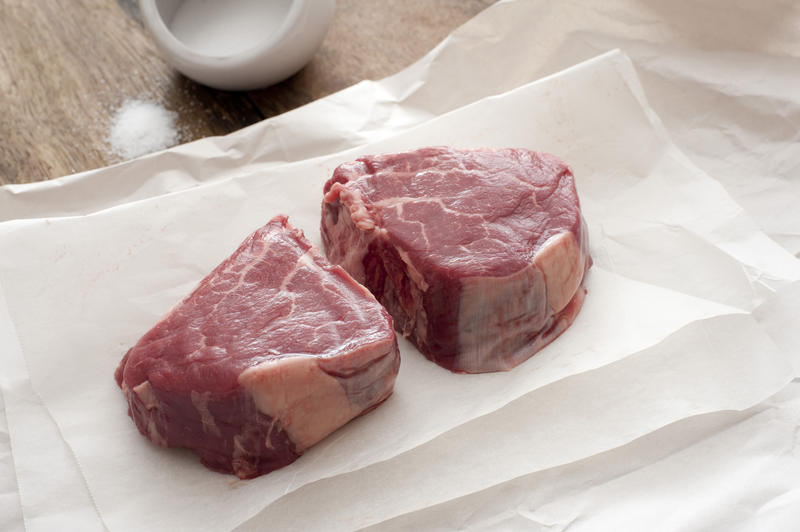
[66,66]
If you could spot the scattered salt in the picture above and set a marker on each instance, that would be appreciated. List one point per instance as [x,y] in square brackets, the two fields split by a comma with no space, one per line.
[140,127]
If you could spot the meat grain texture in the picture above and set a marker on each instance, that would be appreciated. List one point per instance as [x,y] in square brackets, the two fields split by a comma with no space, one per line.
[274,350]
[478,255]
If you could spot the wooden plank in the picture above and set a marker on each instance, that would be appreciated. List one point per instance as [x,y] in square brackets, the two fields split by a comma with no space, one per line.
[65,67]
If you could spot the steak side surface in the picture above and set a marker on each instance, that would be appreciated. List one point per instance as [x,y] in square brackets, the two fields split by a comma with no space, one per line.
[271,352]
[478,255]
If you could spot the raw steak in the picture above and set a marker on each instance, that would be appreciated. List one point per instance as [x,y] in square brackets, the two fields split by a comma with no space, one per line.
[273,351]
[478,255]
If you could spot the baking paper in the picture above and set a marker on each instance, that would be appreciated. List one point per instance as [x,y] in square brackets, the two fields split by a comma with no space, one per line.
[80,290]
[727,470]
[10,509]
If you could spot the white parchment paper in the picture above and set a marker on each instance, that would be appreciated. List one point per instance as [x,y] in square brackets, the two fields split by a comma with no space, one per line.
[10,509]
[722,75]
[80,290]
[727,470]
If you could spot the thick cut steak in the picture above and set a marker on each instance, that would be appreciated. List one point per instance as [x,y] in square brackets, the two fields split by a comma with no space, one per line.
[478,255]
[273,351]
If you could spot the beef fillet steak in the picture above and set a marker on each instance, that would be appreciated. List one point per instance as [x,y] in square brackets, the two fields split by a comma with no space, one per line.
[478,255]
[273,351]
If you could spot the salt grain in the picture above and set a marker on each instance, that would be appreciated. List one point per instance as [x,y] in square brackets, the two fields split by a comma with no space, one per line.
[140,127]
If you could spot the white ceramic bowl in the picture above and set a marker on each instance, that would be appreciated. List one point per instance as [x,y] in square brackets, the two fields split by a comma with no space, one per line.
[237,44]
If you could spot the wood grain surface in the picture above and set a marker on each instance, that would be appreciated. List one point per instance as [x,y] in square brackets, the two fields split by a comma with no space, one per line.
[66,66]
